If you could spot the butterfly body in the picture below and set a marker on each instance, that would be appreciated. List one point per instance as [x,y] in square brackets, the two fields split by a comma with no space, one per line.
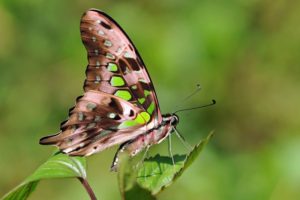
[119,105]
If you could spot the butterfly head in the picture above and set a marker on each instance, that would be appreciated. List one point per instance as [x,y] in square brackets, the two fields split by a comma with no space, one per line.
[172,119]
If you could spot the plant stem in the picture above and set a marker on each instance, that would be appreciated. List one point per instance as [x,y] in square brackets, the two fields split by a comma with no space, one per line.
[87,187]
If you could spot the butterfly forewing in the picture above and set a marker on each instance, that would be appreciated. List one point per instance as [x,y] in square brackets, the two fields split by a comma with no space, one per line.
[115,66]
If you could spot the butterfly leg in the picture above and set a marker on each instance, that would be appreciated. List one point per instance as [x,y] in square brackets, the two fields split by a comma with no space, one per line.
[182,140]
[144,157]
[170,151]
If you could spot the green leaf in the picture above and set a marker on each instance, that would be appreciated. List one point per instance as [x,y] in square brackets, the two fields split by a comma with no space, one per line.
[159,172]
[58,166]
[137,192]
[130,189]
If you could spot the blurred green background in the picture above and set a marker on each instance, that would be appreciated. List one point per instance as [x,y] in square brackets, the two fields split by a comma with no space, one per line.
[245,54]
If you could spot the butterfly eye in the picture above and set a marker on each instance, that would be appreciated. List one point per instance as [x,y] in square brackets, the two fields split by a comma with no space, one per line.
[174,120]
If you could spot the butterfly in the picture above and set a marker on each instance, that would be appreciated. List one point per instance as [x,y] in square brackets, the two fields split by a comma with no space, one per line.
[119,104]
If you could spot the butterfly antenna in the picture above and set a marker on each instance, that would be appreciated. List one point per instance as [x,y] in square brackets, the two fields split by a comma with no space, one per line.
[198,88]
[193,108]
[182,140]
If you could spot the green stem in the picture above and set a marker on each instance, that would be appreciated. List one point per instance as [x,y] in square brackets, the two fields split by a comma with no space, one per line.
[87,187]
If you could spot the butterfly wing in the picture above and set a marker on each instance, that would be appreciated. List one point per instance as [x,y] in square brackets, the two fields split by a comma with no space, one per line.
[98,121]
[115,66]
[119,102]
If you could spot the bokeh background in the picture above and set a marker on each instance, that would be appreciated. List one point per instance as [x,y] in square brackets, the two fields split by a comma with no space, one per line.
[244,53]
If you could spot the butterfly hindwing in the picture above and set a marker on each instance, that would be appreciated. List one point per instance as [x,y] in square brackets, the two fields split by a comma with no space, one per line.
[98,121]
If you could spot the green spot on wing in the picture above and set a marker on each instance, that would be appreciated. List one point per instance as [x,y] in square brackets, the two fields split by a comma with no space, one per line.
[146,93]
[124,94]
[127,124]
[117,81]
[134,87]
[112,67]
[142,118]
[141,100]
[150,109]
